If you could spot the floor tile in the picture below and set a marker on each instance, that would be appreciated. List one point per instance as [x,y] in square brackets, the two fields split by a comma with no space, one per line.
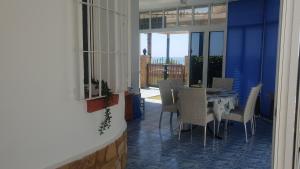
[151,148]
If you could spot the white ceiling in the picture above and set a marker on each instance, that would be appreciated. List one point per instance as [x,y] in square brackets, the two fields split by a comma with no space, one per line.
[159,4]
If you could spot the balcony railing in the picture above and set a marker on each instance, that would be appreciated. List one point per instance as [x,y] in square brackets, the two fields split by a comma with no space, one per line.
[158,72]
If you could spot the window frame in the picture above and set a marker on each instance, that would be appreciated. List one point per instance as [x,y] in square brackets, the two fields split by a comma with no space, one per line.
[190,27]
[116,55]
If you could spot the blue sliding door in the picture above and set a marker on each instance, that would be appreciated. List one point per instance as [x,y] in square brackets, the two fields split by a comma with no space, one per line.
[252,48]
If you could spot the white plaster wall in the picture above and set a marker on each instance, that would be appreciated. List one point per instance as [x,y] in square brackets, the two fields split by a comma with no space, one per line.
[42,124]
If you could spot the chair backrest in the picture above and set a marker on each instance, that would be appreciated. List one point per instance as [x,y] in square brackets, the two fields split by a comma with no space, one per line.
[258,88]
[192,105]
[165,92]
[222,83]
[176,85]
[251,102]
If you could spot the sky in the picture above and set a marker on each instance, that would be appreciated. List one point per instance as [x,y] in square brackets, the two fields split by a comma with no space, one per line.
[216,43]
[179,44]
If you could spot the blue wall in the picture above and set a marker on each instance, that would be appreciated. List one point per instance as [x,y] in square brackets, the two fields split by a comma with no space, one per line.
[252,48]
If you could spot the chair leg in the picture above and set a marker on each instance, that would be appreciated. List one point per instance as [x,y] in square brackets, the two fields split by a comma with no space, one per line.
[252,126]
[214,128]
[204,135]
[226,124]
[161,113]
[245,124]
[180,128]
[191,132]
[218,129]
[254,122]
[178,122]
[171,118]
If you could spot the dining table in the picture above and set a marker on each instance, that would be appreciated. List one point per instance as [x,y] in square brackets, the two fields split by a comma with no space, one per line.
[220,102]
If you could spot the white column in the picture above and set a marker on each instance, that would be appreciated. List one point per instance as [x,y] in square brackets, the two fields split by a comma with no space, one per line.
[286,85]
[133,36]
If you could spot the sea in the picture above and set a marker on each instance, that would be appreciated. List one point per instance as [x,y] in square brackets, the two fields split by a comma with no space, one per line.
[177,60]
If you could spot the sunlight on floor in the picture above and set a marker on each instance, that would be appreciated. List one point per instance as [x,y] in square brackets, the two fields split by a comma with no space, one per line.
[151,95]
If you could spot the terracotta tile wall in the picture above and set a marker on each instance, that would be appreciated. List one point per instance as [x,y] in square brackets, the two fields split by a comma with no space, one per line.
[114,156]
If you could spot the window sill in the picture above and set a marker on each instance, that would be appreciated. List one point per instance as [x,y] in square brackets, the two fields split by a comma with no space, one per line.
[99,103]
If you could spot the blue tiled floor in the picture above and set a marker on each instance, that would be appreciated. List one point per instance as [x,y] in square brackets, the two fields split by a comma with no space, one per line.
[151,148]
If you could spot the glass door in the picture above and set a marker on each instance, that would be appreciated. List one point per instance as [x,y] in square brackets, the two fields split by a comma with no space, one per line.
[196,58]
[206,57]
[215,56]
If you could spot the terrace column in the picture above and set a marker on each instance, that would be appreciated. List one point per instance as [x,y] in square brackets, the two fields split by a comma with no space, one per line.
[168,49]
[149,43]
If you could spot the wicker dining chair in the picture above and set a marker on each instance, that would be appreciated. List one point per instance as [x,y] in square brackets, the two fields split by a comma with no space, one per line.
[193,109]
[167,98]
[247,114]
[222,83]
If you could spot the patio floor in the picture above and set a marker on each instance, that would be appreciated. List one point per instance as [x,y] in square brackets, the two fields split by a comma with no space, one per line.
[151,148]
[150,94]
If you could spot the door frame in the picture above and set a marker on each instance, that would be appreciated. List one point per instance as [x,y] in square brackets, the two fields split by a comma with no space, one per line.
[286,85]
[297,125]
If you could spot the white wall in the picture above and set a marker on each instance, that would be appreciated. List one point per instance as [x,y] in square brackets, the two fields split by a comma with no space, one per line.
[41,122]
[284,129]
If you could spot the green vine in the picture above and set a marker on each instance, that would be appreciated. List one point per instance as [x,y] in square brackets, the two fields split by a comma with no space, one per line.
[106,92]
